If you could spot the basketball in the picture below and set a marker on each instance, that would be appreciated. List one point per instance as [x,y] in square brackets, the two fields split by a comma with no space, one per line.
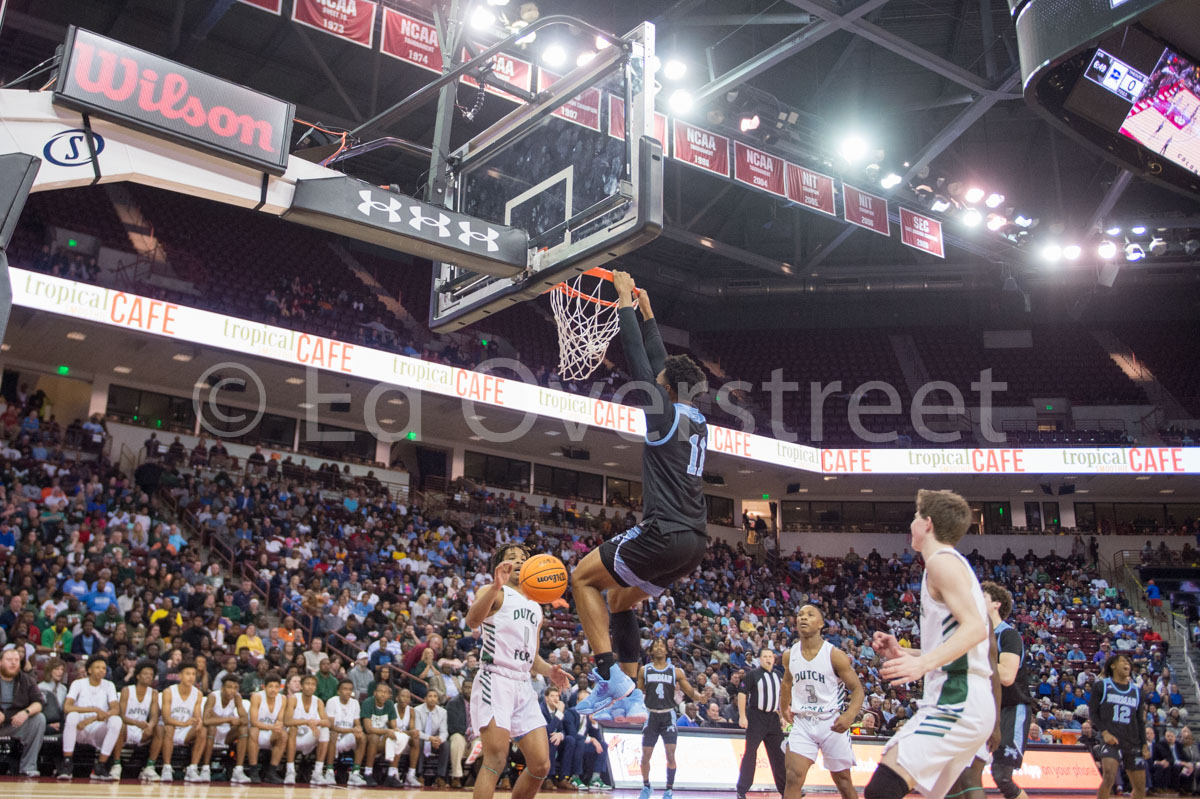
[543,578]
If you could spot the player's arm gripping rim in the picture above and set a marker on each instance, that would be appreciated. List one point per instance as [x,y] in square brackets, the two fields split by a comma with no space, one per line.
[950,583]
[659,410]
[849,677]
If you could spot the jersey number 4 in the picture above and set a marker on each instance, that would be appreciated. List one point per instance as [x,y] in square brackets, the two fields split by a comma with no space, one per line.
[699,450]
[660,691]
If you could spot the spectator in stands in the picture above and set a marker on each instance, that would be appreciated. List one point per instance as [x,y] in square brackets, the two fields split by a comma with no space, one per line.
[21,710]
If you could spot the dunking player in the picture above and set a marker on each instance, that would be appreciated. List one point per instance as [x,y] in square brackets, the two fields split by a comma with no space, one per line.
[504,706]
[816,676]
[670,541]
[658,681]
[1117,711]
[958,710]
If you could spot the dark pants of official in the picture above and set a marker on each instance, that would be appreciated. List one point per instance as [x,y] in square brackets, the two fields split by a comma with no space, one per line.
[762,728]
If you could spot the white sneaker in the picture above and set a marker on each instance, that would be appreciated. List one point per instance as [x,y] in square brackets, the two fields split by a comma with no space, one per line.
[192,774]
[411,781]
[114,773]
[290,777]
[149,774]
[356,780]
[168,773]
[318,775]
[206,773]
[239,776]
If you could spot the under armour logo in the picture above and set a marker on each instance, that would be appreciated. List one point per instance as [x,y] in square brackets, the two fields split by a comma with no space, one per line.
[468,235]
[441,221]
[369,203]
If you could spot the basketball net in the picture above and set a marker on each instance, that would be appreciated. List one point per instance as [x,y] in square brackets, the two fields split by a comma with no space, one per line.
[587,323]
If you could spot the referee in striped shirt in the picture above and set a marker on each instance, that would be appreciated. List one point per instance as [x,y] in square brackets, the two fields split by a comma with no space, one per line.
[758,715]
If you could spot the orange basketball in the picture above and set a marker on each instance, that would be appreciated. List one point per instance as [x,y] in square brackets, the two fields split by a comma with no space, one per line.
[543,578]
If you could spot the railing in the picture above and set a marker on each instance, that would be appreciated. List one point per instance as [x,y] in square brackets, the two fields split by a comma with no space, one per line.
[1180,629]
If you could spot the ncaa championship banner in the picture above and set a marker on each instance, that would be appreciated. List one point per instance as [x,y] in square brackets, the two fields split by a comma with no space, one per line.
[708,761]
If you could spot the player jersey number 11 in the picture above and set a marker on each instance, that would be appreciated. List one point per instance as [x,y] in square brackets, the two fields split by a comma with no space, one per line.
[699,450]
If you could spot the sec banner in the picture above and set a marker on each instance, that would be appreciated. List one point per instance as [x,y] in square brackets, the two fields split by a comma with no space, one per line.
[411,40]
[922,233]
[699,148]
[865,210]
[352,20]
[758,169]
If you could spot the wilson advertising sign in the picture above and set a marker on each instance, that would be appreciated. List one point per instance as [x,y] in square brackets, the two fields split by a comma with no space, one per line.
[112,80]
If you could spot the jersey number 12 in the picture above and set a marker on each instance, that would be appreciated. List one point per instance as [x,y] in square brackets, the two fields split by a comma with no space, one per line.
[699,450]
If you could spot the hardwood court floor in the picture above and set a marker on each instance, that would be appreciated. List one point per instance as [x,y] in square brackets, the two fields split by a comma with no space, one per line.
[45,788]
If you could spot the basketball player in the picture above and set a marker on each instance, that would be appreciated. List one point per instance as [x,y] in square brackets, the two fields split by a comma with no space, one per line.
[345,727]
[658,681]
[266,727]
[670,541]
[228,725]
[816,676]
[139,715]
[504,706]
[1015,715]
[181,714]
[92,715]
[969,784]
[308,729]
[958,710]
[1117,711]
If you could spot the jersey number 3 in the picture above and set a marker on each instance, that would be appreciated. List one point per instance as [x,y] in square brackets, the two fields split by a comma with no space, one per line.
[699,450]
[812,695]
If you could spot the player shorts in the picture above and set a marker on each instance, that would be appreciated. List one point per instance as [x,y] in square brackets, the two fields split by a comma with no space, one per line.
[93,734]
[660,724]
[508,698]
[221,735]
[938,742]
[306,740]
[264,739]
[181,734]
[1127,756]
[808,736]
[1014,732]
[346,742]
[651,559]
[133,735]
[396,743]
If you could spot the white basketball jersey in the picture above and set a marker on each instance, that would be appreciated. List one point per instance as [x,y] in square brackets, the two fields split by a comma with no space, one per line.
[510,636]
[183,707]
[312,713]
[815,686]
[226,711]
[403,720]
[948,686]
[139,711]
[343,715]
[87,695]
[267,714]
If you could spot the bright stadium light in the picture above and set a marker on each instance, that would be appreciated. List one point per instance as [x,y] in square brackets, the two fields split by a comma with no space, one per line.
[1072,252]
[1138,230]
[1115,230]
[749,123]
[890,181]
[971,217]
[996,221]
[482,19]
[554,56]
[994,200]
[680,101]
[602,43]
[1107,250]
[584,59]
[1022,221]
[974,195]
[853,148]
[497,2]
[674,69]
[1051,253]
[940,205]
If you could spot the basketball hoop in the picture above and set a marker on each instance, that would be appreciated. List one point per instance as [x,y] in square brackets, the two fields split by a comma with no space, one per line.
[587,323]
